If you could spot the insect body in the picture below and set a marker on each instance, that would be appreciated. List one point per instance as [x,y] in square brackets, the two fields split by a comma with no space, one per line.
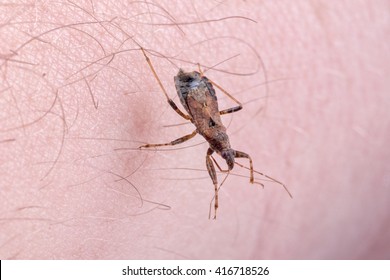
[197,95]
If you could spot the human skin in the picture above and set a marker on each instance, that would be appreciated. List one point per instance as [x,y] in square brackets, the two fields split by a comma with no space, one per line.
[73,114]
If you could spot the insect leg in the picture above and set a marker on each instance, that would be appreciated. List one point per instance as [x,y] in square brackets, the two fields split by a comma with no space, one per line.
[200,70]
[170,101]
[269,177]
[239,154]
[213,175]
[226,111]
[230,110]
[172,143]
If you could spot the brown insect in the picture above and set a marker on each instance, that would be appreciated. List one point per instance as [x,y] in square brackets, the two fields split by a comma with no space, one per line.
[197,95]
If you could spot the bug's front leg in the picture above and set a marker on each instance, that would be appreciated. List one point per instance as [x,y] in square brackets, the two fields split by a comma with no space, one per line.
[213,175]
[238,154]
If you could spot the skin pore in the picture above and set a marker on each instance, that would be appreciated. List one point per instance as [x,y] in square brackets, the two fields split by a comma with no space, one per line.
[78,98]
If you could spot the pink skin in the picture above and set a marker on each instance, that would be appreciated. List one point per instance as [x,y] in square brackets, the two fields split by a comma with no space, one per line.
[323,130]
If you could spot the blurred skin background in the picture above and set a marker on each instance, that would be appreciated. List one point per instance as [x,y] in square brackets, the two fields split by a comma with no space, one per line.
[77,99]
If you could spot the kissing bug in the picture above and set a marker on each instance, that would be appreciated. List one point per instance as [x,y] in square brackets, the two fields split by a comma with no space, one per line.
[197,95]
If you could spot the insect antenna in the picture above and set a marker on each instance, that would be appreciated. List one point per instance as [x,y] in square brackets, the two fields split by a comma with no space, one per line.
[266,176]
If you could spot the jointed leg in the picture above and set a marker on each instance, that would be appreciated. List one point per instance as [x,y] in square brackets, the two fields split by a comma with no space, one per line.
[230,110]
[238,154]
[170,101]
[172,143]
[200,70]
[226,111]
[213,175]
[266,176]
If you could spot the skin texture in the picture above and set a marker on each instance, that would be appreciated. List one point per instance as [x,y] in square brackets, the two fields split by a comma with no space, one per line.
[73,114]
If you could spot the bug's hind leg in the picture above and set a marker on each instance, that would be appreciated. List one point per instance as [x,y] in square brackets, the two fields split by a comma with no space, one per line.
[170,101]
[213,175]
[172,143]
[200,70]
[226,111]
[229,110]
